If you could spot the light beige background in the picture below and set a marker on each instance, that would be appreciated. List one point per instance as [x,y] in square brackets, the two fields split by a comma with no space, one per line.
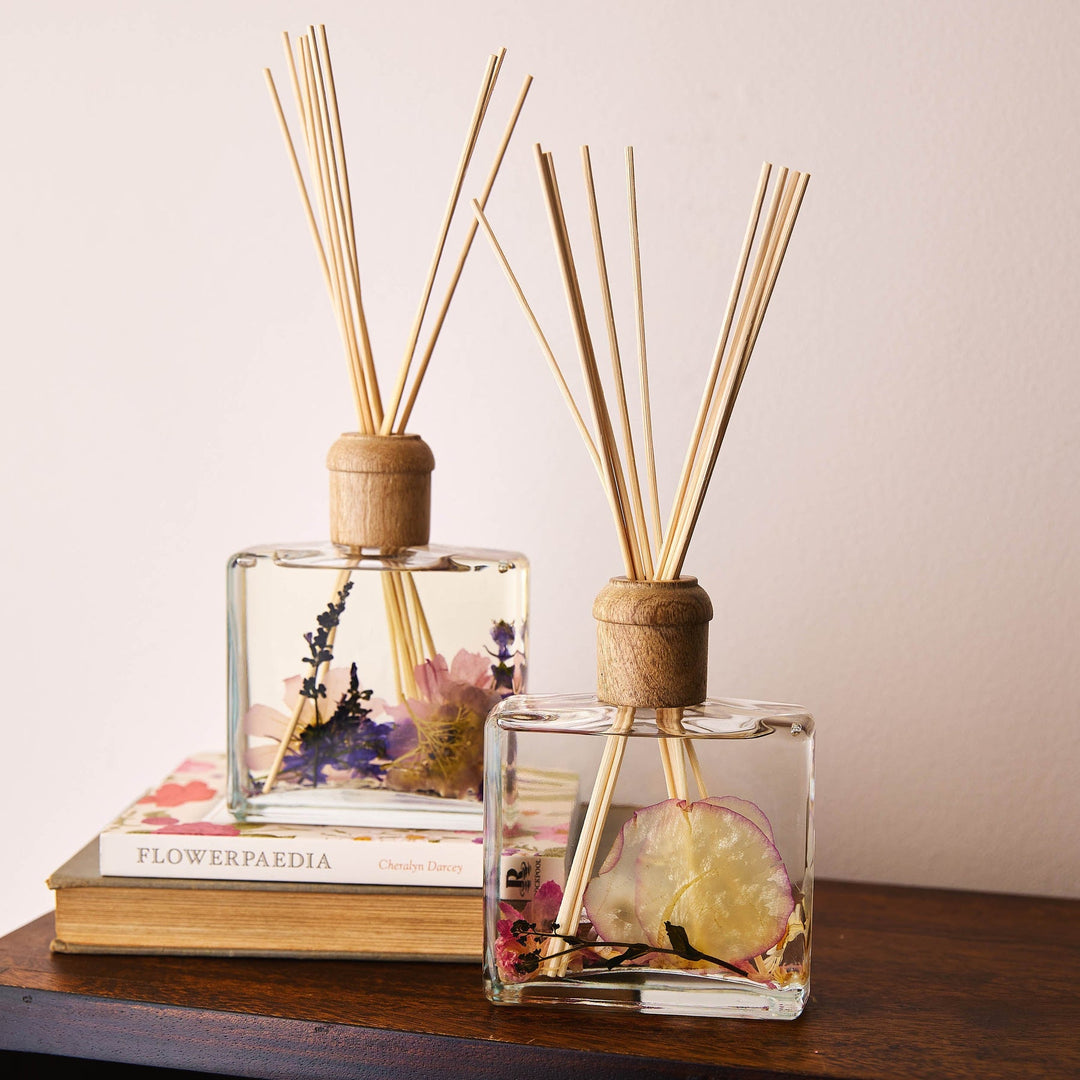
[891,538]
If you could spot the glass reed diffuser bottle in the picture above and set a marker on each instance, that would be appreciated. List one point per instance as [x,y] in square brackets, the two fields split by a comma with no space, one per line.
[361,668]
[690,885]
[687,881]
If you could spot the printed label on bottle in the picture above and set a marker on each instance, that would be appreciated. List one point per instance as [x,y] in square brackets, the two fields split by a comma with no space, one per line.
[521,874]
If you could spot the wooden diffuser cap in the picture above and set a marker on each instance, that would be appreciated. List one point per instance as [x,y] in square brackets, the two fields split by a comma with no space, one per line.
[652,643]
[380,491]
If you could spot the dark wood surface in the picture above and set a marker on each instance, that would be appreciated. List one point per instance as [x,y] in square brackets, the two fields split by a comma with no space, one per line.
[905,983]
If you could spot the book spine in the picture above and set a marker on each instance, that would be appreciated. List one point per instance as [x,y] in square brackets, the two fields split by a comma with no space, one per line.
[333,860]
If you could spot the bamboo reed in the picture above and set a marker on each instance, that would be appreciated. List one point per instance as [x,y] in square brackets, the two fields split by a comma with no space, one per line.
[491,73]
[721,343]
[617,368]
[311,74]
[643,365]
[370,374]
[595,391]
[406,412]
[545,348]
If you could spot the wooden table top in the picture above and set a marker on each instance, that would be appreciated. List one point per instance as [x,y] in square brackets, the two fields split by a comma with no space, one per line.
[905,983]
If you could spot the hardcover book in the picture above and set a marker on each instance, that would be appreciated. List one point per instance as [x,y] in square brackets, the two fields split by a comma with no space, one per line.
[293,920]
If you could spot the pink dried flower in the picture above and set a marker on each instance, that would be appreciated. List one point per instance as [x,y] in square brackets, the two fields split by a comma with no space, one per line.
[438,739]
[512,951]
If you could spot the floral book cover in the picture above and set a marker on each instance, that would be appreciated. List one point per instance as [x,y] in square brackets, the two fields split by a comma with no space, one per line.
[182,828]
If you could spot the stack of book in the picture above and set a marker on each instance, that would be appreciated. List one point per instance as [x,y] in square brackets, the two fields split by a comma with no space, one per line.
[176,873]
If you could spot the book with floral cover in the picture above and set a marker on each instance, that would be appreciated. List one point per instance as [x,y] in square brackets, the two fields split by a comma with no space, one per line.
[182,828]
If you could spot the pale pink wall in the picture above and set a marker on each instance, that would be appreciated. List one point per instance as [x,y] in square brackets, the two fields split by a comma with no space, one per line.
[892,534]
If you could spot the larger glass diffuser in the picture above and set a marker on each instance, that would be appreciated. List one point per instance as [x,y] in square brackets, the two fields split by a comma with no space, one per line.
[389,718]
[361,669]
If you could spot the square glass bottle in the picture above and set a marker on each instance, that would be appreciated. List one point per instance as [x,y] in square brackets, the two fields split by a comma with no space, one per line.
[687,884]
[361,668]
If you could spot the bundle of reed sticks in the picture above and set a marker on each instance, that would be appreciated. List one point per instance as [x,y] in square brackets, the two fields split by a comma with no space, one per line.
[333,230]
[326,198]
[651,552]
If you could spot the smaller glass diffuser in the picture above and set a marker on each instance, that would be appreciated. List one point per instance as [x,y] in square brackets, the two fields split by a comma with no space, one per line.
[687,884]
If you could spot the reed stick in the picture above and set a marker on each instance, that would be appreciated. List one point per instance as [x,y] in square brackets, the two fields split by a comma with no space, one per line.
[721,342]
[328,195]
[594,383]
[470,235]
[411,623]
[772,261]
[595,393]
[414,600]
[484,96]
[542,341]
[410,605]
[348,304]
[678,536]
[643,365]
[695,766]
[670,720]
[596,813]
[617,369]
[395,648]
[326,199]
[298,175]
[407,630]
[802,180]
[313,226]
[400,634]
[371,378]
[668,767]
[290,63]
[670,750]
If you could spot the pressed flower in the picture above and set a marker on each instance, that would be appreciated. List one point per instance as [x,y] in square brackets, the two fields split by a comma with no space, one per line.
[517,946]
[502,633]
[347,745]
[506,678]
[432,743]
[438,740]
